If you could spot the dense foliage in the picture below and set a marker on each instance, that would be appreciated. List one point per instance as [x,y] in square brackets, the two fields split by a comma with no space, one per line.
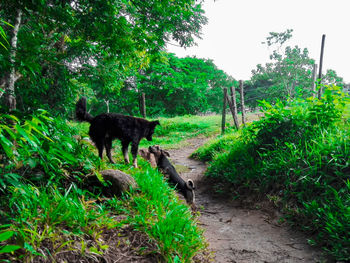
[298,156]
[175,86]
[65,46]
[48,212]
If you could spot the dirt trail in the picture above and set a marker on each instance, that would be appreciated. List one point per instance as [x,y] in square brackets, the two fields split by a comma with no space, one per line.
[238,234]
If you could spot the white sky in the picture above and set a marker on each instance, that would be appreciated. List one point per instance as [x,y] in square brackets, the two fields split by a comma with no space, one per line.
[232,38]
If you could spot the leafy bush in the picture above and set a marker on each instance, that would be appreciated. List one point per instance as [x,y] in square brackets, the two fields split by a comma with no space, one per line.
[41,149]
[298,154]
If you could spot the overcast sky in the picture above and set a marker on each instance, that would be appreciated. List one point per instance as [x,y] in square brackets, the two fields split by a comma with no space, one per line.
[232,38]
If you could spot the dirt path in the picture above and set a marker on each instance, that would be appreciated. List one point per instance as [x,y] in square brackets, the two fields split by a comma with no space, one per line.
[237,234]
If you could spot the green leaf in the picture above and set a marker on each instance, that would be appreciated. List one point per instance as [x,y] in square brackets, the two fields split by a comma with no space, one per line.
[9,131]
[6,23]
[9,249]
[6,145]
[31,163]
[30,138]
[6,235]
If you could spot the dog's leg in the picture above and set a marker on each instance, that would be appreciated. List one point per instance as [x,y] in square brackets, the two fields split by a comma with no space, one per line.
[125,146]
[134,149]
[100,145]
[108,146]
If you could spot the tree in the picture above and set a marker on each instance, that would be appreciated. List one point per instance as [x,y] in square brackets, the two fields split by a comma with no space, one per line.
[63,44]
[177,86]
[331,78]
[289,74]
[9,81]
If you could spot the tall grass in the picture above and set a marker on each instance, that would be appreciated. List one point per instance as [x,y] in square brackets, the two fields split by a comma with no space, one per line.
[158,211]
[44,211]
[297,155]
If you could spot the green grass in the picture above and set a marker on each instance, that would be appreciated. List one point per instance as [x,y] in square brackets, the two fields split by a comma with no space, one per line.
[159,212]
[218,145]
[175,130]
[45,211]
[298,155]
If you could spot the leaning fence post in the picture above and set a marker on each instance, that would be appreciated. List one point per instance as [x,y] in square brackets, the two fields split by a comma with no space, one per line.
[320,70]
[242,101]
[233,106]
[223,122]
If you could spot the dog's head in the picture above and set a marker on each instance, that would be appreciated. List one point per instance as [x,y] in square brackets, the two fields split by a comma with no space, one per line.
[147,155]
[189,192]
[144,153]
[151,127]
[158,152]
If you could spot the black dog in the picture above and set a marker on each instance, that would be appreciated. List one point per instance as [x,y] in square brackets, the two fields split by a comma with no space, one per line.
[163,163]
[106,127]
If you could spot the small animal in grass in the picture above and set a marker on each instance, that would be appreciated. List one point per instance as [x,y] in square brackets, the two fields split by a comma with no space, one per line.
[163,163]
[145,154]
[106,127]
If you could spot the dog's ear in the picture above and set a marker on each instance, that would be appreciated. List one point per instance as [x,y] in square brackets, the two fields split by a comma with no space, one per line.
[165,153]
[154,149]
[190,184]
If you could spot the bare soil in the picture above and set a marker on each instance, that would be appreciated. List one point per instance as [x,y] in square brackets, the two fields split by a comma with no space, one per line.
[236,232]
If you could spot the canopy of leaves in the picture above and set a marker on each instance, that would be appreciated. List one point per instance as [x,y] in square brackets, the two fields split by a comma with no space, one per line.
[64,45]
[177,86]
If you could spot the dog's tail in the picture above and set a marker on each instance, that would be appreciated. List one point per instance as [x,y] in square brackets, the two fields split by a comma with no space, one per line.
[80,111]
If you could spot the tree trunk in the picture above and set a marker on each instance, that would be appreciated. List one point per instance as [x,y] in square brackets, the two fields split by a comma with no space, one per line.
[10,98]
[143,105]
[107,105]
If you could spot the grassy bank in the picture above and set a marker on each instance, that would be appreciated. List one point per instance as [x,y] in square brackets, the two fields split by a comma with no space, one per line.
[48,214]
[298,157]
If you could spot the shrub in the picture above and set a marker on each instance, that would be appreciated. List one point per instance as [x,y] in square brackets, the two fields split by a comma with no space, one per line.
[41,149]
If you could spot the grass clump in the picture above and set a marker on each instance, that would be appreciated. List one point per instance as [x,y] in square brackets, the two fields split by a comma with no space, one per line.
[221,144]
[298,156]
[172,131]
[158,211]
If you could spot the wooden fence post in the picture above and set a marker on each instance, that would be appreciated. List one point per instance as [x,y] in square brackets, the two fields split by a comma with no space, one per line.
[223,122]
[242,101]
[314,73]
[143,105]
[233,106]
[320,70]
